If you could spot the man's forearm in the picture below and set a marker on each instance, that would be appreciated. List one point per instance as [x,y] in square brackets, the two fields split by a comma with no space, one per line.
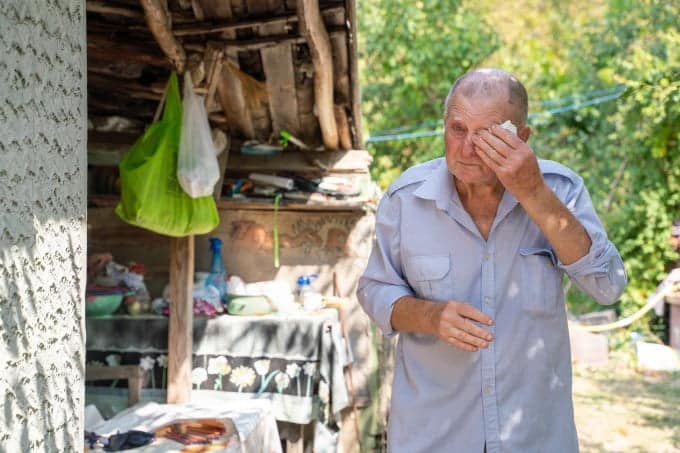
[563,230]
[411,314]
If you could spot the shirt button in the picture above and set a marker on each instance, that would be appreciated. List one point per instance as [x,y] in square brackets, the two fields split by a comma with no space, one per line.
[487,300]
[487,389]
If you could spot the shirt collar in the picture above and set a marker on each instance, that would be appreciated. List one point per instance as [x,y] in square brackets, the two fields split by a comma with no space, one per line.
[508,202]
[440,187]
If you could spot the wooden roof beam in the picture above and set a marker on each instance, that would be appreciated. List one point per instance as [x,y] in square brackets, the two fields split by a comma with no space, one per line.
[101,7]
[98,47]
[313,29]
[158,21]
[221,26]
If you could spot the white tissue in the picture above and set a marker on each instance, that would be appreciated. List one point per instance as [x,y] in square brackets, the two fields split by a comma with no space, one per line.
[508,126]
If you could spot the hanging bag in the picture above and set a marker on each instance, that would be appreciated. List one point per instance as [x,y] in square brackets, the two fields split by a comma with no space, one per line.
[197,166]
[151,196]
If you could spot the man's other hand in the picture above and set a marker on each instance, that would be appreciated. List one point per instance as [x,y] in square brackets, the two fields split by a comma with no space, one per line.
[453,323]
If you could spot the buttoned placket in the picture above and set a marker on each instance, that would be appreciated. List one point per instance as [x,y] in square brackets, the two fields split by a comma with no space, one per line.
[488,306]
[488,355]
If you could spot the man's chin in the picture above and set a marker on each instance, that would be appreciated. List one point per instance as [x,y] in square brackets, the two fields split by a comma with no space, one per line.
[472,173]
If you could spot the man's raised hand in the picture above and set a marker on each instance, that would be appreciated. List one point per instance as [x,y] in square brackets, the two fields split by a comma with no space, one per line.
[510,158]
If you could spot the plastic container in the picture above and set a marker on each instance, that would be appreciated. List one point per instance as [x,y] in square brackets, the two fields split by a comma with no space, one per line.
[306,294]
[218,272]
[102,304]
[250,306]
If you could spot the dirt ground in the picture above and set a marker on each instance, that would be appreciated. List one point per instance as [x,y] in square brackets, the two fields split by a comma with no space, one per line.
[620,410]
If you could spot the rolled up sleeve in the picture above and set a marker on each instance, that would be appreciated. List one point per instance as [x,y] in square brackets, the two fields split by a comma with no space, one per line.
[383,283]
[601,272]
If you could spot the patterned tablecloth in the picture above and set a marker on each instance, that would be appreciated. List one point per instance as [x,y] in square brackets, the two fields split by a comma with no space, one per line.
[295,361]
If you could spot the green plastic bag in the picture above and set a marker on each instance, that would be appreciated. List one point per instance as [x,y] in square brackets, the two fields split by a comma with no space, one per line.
[151,196]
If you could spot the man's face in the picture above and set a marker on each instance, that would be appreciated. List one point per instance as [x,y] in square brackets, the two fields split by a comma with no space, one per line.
[465,117]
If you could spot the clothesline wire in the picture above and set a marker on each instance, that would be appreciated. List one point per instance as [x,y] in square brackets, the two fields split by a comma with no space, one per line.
[601,96]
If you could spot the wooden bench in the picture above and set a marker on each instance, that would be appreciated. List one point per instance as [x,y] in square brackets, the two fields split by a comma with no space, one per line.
[134,375]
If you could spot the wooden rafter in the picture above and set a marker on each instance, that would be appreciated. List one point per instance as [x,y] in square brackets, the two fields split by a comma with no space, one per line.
[158,20]
[222,26]
[262,42]
[106,50]
[314,31]
[101,7]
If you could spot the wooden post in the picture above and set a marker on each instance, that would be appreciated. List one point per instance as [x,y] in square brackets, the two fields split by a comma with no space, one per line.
[180,328]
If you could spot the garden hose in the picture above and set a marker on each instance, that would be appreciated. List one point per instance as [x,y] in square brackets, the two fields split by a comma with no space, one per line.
[656,298]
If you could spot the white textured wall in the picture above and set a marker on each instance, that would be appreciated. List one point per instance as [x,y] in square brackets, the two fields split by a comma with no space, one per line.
[42,218]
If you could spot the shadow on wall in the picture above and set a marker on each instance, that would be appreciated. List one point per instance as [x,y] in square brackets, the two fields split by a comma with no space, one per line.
[42,241]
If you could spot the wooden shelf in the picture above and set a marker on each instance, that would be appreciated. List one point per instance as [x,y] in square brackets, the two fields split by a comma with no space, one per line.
[252,204]
[352,161]
[289,205]
[295,161]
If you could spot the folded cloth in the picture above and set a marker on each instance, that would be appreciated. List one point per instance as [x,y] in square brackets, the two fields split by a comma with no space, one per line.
[128,440]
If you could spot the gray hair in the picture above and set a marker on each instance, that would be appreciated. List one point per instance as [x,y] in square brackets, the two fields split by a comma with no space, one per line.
[486,81]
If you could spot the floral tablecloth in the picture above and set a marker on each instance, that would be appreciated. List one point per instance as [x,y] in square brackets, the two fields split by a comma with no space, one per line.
[294,361]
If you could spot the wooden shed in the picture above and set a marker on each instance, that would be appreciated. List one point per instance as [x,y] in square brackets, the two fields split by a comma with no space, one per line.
[264,66]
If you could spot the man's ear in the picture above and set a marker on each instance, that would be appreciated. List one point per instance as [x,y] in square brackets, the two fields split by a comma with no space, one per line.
[524,133]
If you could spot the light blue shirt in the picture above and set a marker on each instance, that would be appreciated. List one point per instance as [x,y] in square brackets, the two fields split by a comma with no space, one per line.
[515,395]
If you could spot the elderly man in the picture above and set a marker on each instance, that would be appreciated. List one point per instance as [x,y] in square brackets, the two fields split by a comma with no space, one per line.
[467,268]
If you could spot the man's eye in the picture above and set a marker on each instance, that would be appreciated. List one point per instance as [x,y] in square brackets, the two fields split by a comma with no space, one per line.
[458,129]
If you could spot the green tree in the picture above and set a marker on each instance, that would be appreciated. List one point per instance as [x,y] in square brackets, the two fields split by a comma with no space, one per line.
[410,53]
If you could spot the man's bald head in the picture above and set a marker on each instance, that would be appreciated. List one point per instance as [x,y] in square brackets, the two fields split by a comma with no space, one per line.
[491,82]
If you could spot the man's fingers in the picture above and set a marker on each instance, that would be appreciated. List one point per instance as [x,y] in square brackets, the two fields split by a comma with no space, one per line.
[490,140]
[476,331]
[468,311]
[456,326]
[467,338]
[483,148]
[460,345]
[506,136]
[493,164]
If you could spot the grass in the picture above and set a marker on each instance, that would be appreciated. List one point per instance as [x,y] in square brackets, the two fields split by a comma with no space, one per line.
[620,410]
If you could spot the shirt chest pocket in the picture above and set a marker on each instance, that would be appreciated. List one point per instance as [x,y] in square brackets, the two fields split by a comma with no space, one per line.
[430,276]
[542,282]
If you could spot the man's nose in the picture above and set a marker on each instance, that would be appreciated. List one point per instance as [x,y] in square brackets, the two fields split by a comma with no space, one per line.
[468,145]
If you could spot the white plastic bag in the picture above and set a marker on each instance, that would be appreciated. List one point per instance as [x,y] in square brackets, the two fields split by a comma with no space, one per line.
[197,167]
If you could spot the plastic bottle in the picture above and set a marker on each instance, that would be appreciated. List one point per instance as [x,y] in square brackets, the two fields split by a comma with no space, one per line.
[309,297]
[218,272]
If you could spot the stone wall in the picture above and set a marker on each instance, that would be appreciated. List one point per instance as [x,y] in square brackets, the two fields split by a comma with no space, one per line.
[42,223]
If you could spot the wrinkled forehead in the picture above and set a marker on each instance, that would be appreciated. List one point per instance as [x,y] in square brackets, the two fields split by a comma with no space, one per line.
[480,110]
